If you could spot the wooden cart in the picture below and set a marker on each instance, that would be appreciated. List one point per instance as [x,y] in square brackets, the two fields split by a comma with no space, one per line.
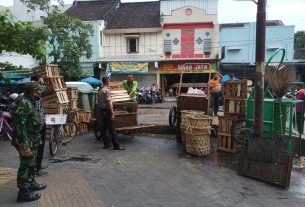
[125,113]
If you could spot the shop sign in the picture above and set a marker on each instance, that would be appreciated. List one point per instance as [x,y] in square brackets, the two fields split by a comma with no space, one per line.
[128,67]
[187,68]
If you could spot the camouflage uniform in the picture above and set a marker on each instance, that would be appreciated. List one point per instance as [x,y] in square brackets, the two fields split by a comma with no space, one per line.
[26,140]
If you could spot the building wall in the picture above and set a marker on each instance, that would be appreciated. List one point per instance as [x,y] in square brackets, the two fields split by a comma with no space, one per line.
[95,41]
[199,25]
[150,43]
[239,42]
[167,6]
[26,61]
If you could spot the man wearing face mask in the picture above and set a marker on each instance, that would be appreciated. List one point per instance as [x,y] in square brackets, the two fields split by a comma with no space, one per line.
[42,118]
[26,139]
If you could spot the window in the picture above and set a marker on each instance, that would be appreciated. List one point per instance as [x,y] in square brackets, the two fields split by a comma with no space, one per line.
[167,46]
[101,38]
[207,45]
[132,45]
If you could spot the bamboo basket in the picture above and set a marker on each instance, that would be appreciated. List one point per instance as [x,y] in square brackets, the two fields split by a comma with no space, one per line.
[198,141]
[184,113]
[197,133]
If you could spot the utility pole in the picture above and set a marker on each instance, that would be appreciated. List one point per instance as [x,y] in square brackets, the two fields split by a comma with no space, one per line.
[260,68]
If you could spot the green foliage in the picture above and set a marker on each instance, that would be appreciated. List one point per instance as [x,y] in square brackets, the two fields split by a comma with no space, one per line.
[69,41]
[21,37]
[10,67]
[43,5]
[299,40]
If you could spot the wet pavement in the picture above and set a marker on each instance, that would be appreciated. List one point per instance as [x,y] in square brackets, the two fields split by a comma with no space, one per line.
[155,171]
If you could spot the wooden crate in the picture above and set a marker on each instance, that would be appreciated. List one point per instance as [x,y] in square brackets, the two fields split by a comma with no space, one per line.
[235,106]
[47,70]
[225,143]
[69,129]
[236,89]
[83,127]
[125,119]
[72,93]
[56,97]
[54,108]
[192,102]
[224,140]
[55,83]
[83,115]
[73,104]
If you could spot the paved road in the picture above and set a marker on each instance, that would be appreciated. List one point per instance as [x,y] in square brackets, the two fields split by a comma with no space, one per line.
[153,171]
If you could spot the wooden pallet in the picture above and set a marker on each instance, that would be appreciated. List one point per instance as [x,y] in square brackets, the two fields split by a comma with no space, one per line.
[56,97]
[225,143]
[224,140]
[236,89]
[72,93]
[47,70]
[235,106]
[55,83]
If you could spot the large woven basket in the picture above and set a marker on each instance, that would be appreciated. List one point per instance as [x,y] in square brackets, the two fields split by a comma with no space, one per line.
[198,141]
[198,121]
[184,114]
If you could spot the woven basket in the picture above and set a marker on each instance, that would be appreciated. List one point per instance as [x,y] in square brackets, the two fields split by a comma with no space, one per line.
[197,141]
[184,113]
[197,121]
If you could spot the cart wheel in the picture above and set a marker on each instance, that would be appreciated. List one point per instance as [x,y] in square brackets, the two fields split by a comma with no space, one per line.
[172,116]
[241,130]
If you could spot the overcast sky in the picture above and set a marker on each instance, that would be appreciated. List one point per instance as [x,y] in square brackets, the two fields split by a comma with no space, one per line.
[291,12]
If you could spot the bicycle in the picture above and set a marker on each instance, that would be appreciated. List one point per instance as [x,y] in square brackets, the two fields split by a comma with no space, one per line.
[63,130]
[6,129]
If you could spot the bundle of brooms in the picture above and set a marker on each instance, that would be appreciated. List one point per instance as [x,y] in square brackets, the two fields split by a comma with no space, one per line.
[279,82]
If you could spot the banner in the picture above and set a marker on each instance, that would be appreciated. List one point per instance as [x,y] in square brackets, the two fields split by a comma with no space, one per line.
[168,68]
[128,67]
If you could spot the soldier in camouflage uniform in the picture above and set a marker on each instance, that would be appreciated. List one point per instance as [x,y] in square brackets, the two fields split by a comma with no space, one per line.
[26,140]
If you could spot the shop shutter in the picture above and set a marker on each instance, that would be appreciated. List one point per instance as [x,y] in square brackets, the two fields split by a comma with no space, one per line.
[167,46]
[207,45]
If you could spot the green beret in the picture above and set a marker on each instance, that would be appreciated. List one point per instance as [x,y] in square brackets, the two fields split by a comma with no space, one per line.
[31,86]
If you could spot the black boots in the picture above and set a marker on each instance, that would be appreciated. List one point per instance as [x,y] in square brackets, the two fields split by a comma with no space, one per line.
[27,195]
[36,186]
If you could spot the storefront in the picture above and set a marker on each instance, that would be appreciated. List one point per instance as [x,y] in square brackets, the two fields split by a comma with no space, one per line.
[193,72]
[145,73]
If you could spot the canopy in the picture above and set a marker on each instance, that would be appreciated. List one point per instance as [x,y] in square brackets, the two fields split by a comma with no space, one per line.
[91,80]
[225,78]
[25,80]
[81,86]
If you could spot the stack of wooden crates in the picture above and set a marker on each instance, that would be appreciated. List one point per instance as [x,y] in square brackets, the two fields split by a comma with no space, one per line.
[235,95]
[57,96]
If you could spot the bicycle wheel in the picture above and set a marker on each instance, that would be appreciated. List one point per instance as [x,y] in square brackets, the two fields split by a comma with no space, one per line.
[70,130]
[172,117]
[53,140]
[241,130]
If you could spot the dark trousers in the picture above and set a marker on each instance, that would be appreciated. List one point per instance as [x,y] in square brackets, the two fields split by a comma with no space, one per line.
[40,148]
[216,100]
[108,125]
